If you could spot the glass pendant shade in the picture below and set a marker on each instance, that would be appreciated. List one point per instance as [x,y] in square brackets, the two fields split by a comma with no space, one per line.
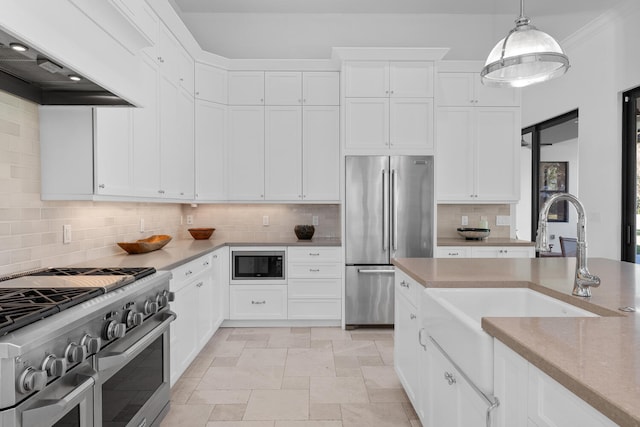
[524,57]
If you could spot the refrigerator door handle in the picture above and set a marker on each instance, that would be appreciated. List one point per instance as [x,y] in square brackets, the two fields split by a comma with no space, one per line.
[372,271]
[394,210]
[385,204]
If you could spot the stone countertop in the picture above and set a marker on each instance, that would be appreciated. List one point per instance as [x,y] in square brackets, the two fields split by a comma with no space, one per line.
[491,241]
[598,359]
[177,252]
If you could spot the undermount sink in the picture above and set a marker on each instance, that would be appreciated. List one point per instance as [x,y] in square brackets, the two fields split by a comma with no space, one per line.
[452,317]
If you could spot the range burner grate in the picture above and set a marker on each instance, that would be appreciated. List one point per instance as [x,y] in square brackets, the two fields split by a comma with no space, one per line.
[137,272]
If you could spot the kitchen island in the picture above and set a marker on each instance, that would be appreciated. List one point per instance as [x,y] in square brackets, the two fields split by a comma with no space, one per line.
[598,359]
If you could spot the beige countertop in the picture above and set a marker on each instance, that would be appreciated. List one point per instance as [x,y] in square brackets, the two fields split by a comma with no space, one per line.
[490,241]
[598,359]
[177,252]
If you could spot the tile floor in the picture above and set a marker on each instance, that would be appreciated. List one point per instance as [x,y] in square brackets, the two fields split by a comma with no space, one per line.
[292,377]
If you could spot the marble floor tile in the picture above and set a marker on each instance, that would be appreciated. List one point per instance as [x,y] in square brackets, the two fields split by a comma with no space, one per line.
[262,357]
[248,337]
[277,405]
[238,424]
[330,334]
[375,414]
[224,349]
[380,377]
[187,415]
[274,331]
[219,397]
[182,390]
[325,411]
[338,390]
[198,367]
[346,361]
[289,341]
[301,330]
[355,348]
[302,362]
[309,423]
[408,408]
[388,395]
[295,383]
[231,412]
[242,378]
[370,360]
[225,361]
[321,344]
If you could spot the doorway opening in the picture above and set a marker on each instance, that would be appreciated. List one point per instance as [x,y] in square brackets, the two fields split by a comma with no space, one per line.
[550,158]
[630,250]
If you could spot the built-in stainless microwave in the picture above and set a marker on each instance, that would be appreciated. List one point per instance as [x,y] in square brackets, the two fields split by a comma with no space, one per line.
[258,266]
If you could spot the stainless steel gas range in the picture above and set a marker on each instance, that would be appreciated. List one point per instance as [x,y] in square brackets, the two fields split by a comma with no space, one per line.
[84,347]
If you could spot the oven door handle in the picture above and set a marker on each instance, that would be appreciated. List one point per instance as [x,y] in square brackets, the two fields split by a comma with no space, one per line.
[114,359]
[50,410]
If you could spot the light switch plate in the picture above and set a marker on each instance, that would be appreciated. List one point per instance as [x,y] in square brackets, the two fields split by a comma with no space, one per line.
[465,220]
[314,220]
[66,234]
[265,220]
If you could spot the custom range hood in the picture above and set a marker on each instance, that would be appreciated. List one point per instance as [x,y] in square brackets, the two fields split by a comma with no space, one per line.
[27,73]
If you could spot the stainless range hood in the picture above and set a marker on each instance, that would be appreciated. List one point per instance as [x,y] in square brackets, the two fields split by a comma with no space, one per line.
[31,75]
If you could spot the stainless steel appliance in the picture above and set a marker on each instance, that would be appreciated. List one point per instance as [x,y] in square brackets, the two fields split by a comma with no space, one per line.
[389,207]
[60,345]
[258,266]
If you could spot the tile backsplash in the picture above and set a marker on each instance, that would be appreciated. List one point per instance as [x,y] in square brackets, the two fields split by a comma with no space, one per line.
[450,218]
[31,229]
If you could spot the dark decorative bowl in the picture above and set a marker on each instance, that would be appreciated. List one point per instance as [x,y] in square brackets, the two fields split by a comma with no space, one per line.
[474,233]
[304,232]
[201,233]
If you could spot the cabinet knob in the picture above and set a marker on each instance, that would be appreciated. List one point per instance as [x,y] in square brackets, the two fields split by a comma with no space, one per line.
[197,93]
[262,100]
[101,186]
[412,316]
[451,379]
[199,285]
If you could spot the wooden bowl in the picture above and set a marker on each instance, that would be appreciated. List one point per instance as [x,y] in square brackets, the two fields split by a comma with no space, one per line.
[201,233]
[143,246]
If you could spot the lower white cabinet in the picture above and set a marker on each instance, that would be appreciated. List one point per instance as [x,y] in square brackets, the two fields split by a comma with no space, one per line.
[485,252]
[261,302]
[453,252]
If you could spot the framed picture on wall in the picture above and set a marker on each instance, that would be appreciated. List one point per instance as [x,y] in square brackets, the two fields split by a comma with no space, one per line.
[554,179]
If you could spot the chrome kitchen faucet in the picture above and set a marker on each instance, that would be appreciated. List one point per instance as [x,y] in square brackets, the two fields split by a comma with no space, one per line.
[583,279]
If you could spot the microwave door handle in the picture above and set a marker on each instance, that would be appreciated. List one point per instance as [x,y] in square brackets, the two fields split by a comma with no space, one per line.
[114,359]
[52,409]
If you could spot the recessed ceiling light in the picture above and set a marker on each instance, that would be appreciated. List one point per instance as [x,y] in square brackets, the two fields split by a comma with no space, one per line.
[75,78]
[19,47]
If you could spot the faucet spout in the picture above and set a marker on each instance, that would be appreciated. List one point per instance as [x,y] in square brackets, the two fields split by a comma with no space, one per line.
[584,280]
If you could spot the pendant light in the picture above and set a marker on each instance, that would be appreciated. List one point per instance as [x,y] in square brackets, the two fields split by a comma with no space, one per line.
[524,57]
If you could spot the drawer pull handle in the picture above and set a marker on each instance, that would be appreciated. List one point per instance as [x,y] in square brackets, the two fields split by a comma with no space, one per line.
[404,284]
[199,285]
[258,302]
[453,254]
[314,270]
[188,273]
[314,254]
[450,378]
[412,316]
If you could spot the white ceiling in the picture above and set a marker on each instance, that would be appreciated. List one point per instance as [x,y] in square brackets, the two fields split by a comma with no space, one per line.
[532,8]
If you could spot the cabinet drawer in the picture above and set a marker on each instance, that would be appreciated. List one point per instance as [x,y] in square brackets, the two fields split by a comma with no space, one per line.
[315,309]
[408,287]
[314,254]
[185,272]
[257,302]
[313,270]
[314,288]
[453,252]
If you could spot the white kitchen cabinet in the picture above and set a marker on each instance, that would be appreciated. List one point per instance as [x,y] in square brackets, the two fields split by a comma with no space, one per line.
[283,88]
[396,79]
[460,89]
[502,252]
[113,151]
[246,153]
[210,83]
[314,283]
[321,153]
[283,153]
[220,264]
[411,123]
[453,252]
[210,150]
[246,87]
[367,123]
[478,154]
[186,72]
[168,54]
[321,88]
[257,302]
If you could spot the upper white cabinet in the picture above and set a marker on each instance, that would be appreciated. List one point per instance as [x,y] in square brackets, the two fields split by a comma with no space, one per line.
[466,89]
[321,153]
[246,87]
[210,83]
[389,106]
[302,88]
[283,153]
[321,88]
[397,79]
[210,151]
[283,88]
[246,153]
[113,151]
[478,153]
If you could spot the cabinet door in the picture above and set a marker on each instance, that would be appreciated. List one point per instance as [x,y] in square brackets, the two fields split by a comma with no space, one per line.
[321,153]
[487,252]
[455,148]
[184,334]
[283,153]
[210,83]
[113,151]
[498,154]
[321,88]
[206,316]
[210,155]
[168,54]
[177,151]
[411,79]
[186,71]
[220,272]
[367,125]
[453,252]
[406,345]
[486,96]
[246,153]
[169,146]
[455,89]
[258,302]
[411,123]
[146,144]
[246,87]
[367,79]
[283,88]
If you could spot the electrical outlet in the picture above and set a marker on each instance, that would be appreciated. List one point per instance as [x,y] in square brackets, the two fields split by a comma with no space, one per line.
[142,225]
[503,220]
[314,220]
[66,234]
[265,220]
[189,219]
[465,220]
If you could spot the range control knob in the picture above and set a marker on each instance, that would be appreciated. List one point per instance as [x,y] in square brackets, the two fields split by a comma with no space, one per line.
[32,379]
[133,318]
[163,299]
[54,366]
[150,307]
[114,329]
[93,344]
[75,353]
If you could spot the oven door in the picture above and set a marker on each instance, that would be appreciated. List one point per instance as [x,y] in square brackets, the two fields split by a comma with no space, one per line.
[133,376]
[66,402]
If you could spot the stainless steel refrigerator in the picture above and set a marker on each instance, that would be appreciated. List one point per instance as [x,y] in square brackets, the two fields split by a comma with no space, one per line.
[389,207]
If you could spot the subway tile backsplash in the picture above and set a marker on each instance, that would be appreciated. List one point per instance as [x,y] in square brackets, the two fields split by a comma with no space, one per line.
[450,218]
